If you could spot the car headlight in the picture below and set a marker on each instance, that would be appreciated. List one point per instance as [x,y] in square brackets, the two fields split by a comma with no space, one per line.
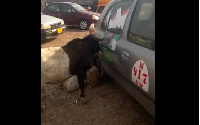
[47,26]
[62,22]
[94,17]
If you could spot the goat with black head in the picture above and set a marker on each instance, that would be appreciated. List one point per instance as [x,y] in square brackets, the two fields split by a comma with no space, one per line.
[74,58]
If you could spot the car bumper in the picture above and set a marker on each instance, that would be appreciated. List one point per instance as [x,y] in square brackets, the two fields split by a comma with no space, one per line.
[52,33]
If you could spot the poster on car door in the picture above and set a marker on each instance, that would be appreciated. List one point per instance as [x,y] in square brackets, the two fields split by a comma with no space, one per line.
[140,75]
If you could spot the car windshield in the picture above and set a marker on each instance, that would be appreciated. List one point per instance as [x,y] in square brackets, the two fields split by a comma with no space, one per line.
[78,7]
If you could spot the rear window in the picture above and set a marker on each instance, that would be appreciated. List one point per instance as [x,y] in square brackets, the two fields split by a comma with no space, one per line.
[53,7]
[78,7]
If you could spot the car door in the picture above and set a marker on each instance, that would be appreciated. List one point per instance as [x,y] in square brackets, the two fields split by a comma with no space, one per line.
[52,10]
[136,49]
[68,14]
[112,27]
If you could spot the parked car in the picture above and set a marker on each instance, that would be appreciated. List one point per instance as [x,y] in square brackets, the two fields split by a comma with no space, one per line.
[127,52]
[51,26]
[72,14]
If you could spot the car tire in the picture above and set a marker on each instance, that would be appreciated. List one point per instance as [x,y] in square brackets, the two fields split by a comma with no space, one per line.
[83,24]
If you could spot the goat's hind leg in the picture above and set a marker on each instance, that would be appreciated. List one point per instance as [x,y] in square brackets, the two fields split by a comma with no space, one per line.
[81,83]
[81,77]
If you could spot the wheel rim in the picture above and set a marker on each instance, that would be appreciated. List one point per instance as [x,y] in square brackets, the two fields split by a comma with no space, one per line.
[83,25]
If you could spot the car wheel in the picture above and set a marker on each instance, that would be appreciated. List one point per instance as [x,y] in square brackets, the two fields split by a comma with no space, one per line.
[84,24]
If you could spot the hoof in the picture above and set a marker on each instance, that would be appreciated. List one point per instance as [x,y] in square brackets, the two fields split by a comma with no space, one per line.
[83,101]
[80,100]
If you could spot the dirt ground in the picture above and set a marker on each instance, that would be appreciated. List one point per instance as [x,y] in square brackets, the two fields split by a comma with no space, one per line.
[108,103]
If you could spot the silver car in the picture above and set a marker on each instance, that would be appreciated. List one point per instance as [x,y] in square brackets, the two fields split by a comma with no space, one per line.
[51,26]
[128,50]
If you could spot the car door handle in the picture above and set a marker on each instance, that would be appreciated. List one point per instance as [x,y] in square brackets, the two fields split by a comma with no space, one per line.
[125,55]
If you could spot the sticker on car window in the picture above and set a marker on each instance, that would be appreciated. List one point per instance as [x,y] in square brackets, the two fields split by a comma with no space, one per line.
[140,75]
[110,40]
[113,41]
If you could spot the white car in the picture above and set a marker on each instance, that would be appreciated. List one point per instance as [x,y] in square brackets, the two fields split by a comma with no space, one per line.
[51,26]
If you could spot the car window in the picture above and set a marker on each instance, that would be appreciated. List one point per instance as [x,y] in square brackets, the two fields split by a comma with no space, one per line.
[115,18]
[142,26]
[53,7]
[78,7]
[66,8]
